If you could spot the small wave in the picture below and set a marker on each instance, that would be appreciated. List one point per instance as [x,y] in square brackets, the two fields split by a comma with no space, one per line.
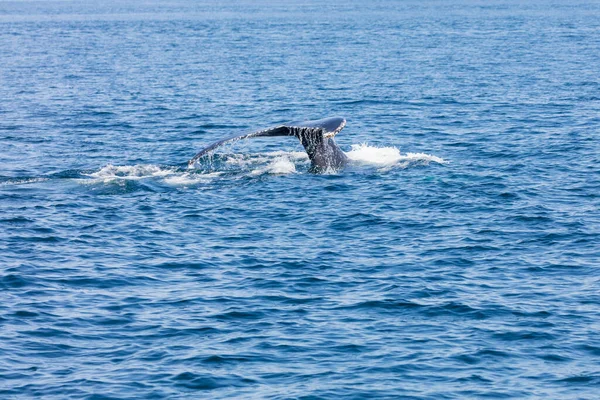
[387,157]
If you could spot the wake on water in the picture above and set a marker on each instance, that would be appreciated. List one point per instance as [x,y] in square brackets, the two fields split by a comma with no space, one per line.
[235,166]
[251,165]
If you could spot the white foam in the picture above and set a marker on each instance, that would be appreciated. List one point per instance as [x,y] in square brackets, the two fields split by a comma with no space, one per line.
[292,155]
[188,179]
[130,171]
[279,166]
[388,157]
[171,176]
[249,160]
[275,162]
[382,156]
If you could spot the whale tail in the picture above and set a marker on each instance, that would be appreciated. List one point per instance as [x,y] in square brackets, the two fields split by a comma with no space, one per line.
[316,137]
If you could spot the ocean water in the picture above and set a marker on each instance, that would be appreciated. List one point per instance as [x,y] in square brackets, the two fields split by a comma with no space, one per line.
[457,256]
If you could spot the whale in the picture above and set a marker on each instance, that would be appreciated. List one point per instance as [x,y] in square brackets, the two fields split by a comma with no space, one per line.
[316,136]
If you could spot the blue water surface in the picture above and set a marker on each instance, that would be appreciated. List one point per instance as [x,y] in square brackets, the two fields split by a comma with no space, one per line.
[466,265]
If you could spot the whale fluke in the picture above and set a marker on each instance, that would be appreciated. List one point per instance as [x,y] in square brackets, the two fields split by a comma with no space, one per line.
[316,137]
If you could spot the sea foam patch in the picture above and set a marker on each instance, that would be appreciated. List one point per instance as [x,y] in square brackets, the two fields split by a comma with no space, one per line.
[279,166]
[187,179]
[276,162]
[388,157]
[130,171]
[169,175]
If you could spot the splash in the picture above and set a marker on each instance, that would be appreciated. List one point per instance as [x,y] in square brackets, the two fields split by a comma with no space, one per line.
[234,166]
[279,166]
[189,179]
[275,163]
[169,175]
[388,157]
[381,156]
[130,172]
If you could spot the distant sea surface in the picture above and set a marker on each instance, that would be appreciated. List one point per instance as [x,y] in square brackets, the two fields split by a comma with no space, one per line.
[456,257]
